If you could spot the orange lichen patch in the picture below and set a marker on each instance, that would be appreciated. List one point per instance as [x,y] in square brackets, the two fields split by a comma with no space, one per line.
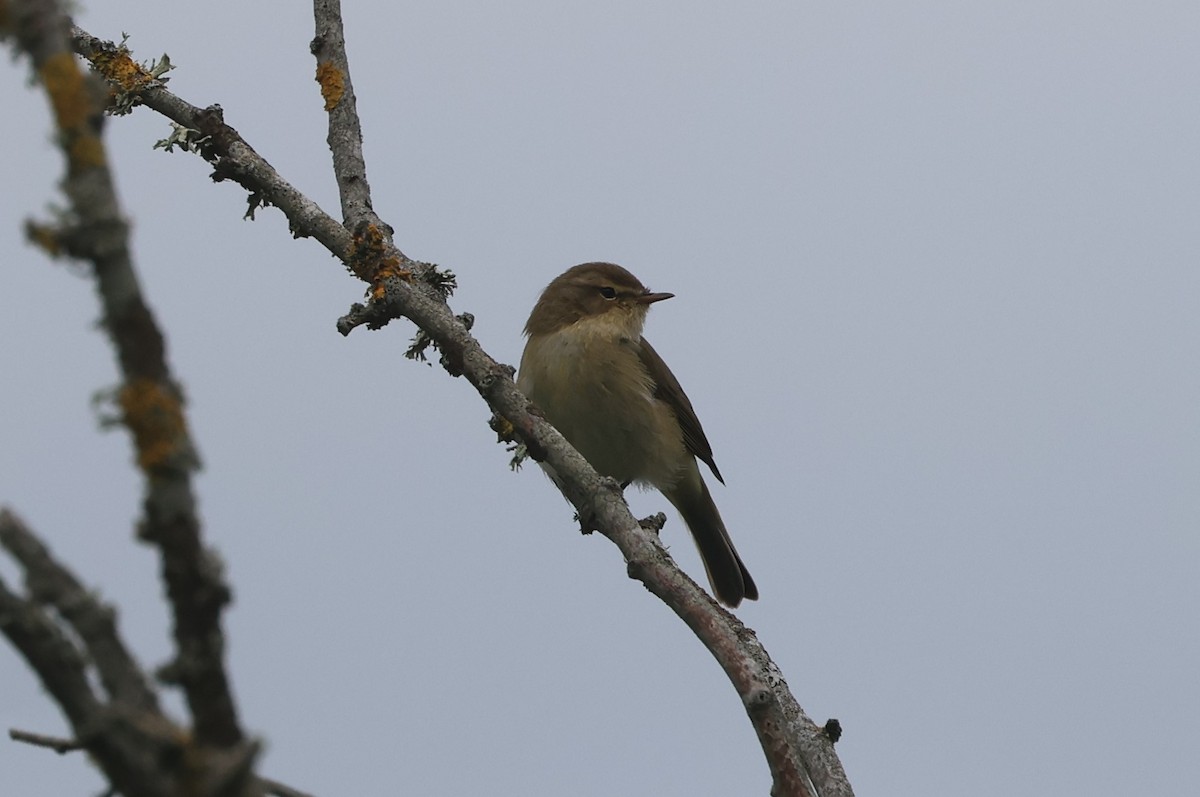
[505,431]
[372,259]
[154,415]
[366,252]
[73,107]
[64,83]
[370,240]
[333,84]
[44,237]
[86,151]
[390,268]
[117,65]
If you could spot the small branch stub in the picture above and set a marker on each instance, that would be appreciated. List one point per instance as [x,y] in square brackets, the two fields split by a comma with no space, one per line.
[55,743]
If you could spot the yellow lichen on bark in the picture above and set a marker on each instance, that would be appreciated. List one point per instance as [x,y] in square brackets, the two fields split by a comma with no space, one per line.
[44,237]
[87,150]
[333,84]
[370,263]
[64,83]
[119,67]
[155,417]
[390,268]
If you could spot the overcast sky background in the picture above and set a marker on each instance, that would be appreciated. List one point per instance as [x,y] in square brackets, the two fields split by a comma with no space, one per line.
[937,288]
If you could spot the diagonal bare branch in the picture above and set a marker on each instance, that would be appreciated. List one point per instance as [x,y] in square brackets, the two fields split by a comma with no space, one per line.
[130,741]
[56,660]
[51,584]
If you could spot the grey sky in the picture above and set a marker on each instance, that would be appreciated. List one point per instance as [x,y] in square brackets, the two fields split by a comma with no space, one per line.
[937,286]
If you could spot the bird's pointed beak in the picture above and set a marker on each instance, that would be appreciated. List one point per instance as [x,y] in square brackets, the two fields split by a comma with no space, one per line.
[651,298]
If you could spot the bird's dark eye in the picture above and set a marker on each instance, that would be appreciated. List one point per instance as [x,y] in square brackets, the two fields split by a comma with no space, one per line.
[608,292]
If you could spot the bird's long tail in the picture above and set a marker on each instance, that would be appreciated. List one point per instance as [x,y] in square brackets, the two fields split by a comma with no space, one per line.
[730,581]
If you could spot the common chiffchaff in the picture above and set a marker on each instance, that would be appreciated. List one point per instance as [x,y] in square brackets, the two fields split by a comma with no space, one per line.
[601,384]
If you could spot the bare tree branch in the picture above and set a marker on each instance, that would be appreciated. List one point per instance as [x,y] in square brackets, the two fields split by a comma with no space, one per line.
[345,132]
[64,746]
[205,132]
[133,743]
[51,584]
[58,663]
[58,745]
[149,399]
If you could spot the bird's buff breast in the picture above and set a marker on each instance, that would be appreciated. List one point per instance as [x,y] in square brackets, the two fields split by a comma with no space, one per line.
[593,387]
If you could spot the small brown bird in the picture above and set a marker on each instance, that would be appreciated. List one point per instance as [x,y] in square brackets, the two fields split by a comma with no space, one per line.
[601,384]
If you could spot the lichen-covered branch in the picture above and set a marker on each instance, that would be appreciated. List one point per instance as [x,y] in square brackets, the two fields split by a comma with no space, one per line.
[149,400]
[139,749]
[52,585]
[345,132]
